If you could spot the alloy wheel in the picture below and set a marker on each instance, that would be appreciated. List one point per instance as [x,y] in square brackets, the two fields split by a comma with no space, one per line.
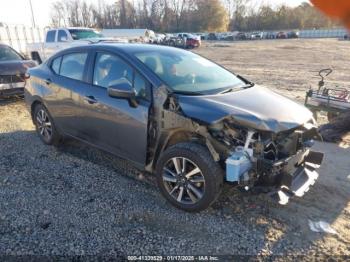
[44,124]
[183,180]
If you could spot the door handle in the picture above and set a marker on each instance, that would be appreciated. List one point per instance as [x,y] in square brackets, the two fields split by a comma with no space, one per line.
[90,99]
[48,81]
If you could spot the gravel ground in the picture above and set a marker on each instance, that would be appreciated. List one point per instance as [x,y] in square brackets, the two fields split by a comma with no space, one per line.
[76,200]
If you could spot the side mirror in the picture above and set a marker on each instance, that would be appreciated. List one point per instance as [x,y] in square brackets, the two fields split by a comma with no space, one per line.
[63,39]
[123,90]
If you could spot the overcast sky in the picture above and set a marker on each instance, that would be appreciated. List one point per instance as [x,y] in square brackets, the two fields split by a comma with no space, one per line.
[18,11]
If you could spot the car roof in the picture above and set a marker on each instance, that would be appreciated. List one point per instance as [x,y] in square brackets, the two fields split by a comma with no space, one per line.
[8,46]
[128,48]
[70,28]
[132,48]
[4,45]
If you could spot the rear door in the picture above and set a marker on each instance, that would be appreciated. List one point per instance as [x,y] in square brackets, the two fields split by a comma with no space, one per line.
[112,123]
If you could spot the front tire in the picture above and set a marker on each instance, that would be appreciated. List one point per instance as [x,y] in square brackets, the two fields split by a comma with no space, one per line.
[45,126]
[188,177]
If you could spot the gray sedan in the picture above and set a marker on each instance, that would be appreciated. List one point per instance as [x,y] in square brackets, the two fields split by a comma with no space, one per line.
[191,122]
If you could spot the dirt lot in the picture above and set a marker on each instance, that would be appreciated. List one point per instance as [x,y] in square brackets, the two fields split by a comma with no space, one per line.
[78,200]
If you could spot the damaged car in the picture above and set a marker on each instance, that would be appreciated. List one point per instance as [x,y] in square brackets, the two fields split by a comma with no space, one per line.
[173,113]
[13,67]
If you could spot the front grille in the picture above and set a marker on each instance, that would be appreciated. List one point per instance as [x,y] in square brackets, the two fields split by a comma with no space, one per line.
[7,79]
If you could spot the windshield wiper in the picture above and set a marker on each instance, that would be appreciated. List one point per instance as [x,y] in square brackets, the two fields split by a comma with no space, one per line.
[245,80]
[228,90]
[190,93]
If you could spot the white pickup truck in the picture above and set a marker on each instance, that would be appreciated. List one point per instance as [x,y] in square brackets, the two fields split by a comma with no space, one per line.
[61,38]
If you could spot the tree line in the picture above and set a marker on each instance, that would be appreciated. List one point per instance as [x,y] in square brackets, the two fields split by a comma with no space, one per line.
[186,15]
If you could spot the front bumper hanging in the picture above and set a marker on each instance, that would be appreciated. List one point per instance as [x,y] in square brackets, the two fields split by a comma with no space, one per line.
[298,182]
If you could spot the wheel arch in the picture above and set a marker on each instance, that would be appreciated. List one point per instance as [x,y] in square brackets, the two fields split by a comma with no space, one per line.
[182,136]
[173,137]
[36,101]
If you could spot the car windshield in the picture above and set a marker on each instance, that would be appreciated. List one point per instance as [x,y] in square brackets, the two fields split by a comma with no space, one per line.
[186,72]
[8,54]
[83,34]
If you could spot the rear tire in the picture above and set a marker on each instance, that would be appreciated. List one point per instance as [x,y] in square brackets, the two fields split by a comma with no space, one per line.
[45,126]
[188,177]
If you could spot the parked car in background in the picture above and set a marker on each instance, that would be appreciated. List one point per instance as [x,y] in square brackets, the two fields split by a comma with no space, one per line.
[189,40]
[212,36]
[241,36]
[167,38]
[175,114]
[256,36]
[292,34]
[202,36]
[229,38]
[281,35]
[183,40]
[221,36]
[269,35]
[60,38]
[13,67]
[130,35]
[157,39]
[172,40]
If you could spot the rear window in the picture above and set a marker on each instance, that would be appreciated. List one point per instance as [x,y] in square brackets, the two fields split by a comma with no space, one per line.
[78,34]
[73,65]
[50,37]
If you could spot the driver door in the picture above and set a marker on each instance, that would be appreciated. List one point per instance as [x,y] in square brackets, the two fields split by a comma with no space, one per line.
[112,123]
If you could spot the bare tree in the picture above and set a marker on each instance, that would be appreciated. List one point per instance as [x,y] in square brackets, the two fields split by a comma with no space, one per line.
[58,15]
[185,15]
[178,7]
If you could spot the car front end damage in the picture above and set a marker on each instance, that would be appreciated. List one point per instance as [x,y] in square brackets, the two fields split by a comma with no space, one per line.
[11,85]
[259,148]
[281,164]
[12,76]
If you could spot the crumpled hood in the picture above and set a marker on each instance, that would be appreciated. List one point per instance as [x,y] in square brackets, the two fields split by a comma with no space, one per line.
[17,67]
[256,107]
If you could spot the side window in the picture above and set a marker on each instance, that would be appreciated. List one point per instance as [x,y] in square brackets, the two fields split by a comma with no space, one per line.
[142,87]
[73,65]
[55,66]
[50,36]
[62,36]
[110,70]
